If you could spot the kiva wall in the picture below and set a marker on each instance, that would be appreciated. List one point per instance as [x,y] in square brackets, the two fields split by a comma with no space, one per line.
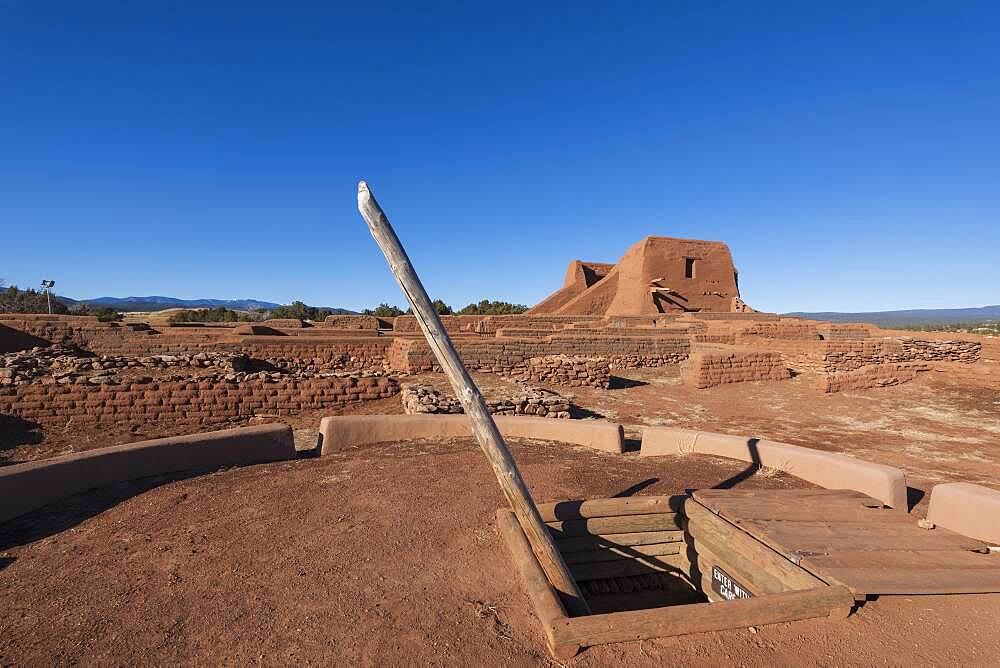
[507,355]
[184,402]
[711,368]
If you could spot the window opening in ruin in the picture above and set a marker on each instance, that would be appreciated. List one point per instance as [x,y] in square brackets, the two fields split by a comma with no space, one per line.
[689,267]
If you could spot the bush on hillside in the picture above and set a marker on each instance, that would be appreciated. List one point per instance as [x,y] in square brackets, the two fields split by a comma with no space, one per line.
[13,300]
[299,310]
[103,313]
[487,307]
[218,314]
[384,310]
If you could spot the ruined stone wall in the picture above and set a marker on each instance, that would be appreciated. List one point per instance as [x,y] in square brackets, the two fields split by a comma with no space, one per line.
[336,353]
[874,375]
[744,316]
[848,355]
[426,400]
[358,349]
[835,331]
[183,402]
[352,322]
[566,371]
[18,332]
[507,355]
[710,368]
[725,339]
[453,323]
[780,329]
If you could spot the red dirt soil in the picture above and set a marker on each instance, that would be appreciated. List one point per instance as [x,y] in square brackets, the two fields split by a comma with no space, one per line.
[383,555]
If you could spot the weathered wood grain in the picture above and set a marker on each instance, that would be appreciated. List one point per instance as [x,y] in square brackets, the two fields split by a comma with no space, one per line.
[623,524]
[483,426]
[636,505]
[695,618]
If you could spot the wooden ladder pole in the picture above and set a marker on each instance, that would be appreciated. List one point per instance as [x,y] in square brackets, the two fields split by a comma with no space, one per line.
[483,426]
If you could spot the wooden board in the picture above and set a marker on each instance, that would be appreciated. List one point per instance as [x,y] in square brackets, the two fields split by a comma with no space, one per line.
[598,526]
[845,537]
[634,505]
[585,543]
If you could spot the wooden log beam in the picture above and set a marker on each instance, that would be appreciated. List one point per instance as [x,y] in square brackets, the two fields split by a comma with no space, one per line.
[570,544]
[699,617]
[548,607]
[615,553]
[636,505]
[483,426]
[623,524]
[664,563]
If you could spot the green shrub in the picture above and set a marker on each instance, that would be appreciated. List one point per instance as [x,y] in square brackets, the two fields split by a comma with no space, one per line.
[103,313]
[487,307]
[13,300]
[218,314]
[384,310]
[299,310]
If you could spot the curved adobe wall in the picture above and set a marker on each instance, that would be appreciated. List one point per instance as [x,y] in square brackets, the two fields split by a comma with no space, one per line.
[25,487]
[968,509]
[826,469]
[350,430]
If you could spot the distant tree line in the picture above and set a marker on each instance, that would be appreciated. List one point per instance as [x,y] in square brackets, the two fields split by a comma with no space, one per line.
[299,310]
[991,327]
[485,307]
[218,314]
[103,313]
[14,300]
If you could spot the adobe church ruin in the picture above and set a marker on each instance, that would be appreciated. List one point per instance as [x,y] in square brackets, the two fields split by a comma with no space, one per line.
[656,275]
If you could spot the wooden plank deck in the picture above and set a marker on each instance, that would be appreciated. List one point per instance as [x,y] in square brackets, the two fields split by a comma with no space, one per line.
[846,537]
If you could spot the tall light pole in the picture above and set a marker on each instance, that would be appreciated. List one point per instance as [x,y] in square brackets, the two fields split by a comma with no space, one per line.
[47,286]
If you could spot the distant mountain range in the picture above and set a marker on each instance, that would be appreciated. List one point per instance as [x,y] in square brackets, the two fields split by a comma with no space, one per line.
[912,317]
[157,303]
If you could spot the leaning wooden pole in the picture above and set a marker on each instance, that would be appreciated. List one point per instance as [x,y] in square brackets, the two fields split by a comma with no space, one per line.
[483,426]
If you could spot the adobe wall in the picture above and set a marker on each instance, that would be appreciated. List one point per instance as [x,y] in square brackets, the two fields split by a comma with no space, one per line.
[349,431]
[352,322]
[655,275]
[342,353]
[25,487]
[848,355]
[425,399]
[355,350]
[453,323]
[872,375]
[662,261]
[579,276]
[780,329]
[749,316]
[566,371]
[968,509]
[710,368]
[507,355]
[826,469]
[82,331]
[835,331]
[189,402]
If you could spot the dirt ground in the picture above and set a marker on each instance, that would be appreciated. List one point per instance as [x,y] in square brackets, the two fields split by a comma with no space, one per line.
[383,555]
[938,428]
[387,555]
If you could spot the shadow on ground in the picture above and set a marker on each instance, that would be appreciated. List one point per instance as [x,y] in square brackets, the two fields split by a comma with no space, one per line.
[15,431]
[69,512]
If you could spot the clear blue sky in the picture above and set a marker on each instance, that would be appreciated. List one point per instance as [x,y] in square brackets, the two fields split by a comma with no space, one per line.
[848,152]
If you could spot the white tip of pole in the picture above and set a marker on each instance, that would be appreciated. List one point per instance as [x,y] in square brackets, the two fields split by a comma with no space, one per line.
[363,194]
